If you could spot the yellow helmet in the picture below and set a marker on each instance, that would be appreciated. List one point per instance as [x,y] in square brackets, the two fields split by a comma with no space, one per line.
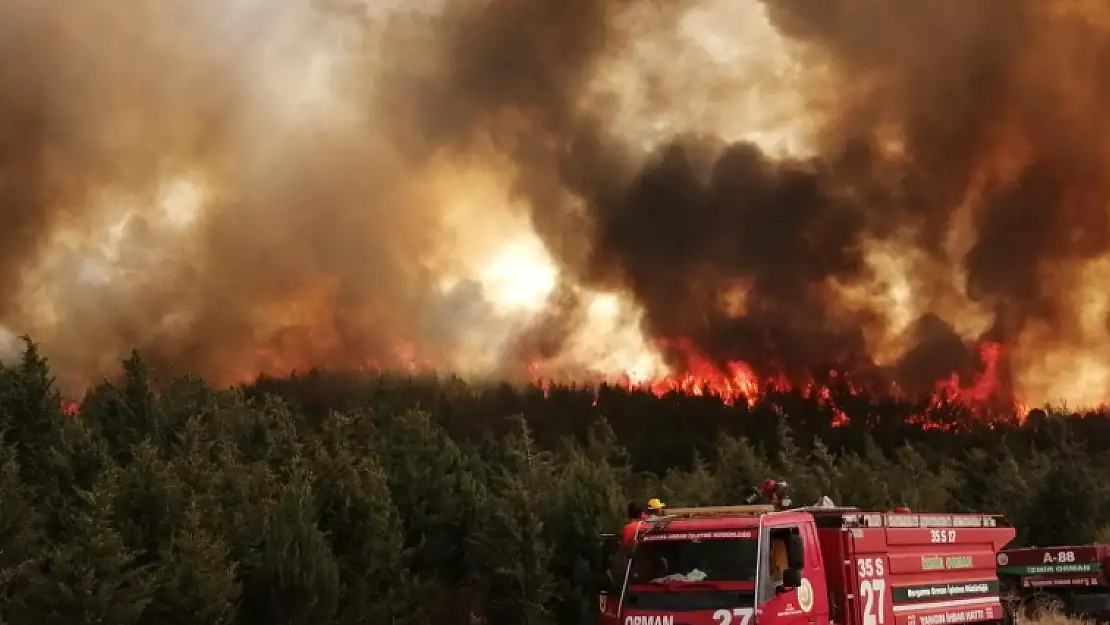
[655,504]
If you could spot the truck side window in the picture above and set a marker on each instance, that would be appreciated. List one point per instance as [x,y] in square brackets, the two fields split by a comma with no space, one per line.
[778,561]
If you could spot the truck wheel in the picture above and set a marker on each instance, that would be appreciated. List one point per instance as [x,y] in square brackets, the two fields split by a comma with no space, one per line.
[1011,605]
[1010,610]
[1042,604]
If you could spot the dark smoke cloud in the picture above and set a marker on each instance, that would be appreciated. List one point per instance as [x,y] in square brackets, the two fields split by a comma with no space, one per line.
[964,139]
[968,134]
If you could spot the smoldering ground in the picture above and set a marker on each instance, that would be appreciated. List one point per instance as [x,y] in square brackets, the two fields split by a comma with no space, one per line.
[953,190]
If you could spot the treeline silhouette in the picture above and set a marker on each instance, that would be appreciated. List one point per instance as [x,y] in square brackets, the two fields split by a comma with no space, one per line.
[383,499]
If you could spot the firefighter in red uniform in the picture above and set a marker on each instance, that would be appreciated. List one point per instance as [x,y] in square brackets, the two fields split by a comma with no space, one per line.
[636,518]
[770,493]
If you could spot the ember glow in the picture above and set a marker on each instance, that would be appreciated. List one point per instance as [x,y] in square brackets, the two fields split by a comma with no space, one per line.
[715,196]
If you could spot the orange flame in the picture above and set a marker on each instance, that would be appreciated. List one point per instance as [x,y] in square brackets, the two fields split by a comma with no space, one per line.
[730,382]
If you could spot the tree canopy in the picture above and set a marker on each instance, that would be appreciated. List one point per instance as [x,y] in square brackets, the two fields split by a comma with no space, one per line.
[347,498]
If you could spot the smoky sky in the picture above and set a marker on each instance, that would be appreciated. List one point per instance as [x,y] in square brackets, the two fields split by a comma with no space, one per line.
[966,139]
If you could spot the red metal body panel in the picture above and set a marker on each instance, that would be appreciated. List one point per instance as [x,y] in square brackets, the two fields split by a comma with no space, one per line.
[916,576]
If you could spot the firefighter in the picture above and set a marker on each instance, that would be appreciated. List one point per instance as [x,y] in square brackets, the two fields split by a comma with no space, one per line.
[765,494]
[655,507]
[770,493]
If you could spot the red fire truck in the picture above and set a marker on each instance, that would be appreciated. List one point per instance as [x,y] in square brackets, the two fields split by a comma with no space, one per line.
[743,565]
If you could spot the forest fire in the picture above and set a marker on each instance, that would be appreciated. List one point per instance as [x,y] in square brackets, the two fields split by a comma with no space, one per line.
[891,197]
[734,381]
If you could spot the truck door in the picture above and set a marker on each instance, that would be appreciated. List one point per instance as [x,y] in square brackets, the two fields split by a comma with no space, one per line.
[781,603]
[612,571]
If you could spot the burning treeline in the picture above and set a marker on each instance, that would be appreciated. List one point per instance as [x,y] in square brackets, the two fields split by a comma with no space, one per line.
[284,183]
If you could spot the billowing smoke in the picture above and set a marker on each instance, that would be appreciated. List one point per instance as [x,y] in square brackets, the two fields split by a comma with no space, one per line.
[279,184]
[955,199]
[256,216]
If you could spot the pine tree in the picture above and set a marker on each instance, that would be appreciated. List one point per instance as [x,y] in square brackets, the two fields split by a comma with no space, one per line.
[738,467]
[90,576]
[697,486]
[865,479]
[1071,485]
[827,477]
[31,417]
[20,538]
[590,500]
[294,578]
[427,474]
[917,486]
[129,412]
[197,580]
[513,537]
[150,502]
[790,463]
[363,527]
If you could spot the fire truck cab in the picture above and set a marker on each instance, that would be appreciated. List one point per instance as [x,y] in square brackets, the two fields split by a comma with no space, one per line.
[743,565]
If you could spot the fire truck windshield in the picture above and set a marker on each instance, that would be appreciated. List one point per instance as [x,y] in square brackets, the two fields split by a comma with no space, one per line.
[666,561]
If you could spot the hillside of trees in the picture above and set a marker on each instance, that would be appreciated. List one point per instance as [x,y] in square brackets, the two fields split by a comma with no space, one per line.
[369,498]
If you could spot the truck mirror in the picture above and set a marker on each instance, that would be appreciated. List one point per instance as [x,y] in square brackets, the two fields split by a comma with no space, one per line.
[795,552]
[791,578]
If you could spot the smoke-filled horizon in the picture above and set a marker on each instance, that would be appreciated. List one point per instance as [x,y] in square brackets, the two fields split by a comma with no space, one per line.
[274,185]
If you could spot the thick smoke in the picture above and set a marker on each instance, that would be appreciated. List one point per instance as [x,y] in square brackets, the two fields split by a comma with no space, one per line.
[954,192]
[314,232]
[960,154]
